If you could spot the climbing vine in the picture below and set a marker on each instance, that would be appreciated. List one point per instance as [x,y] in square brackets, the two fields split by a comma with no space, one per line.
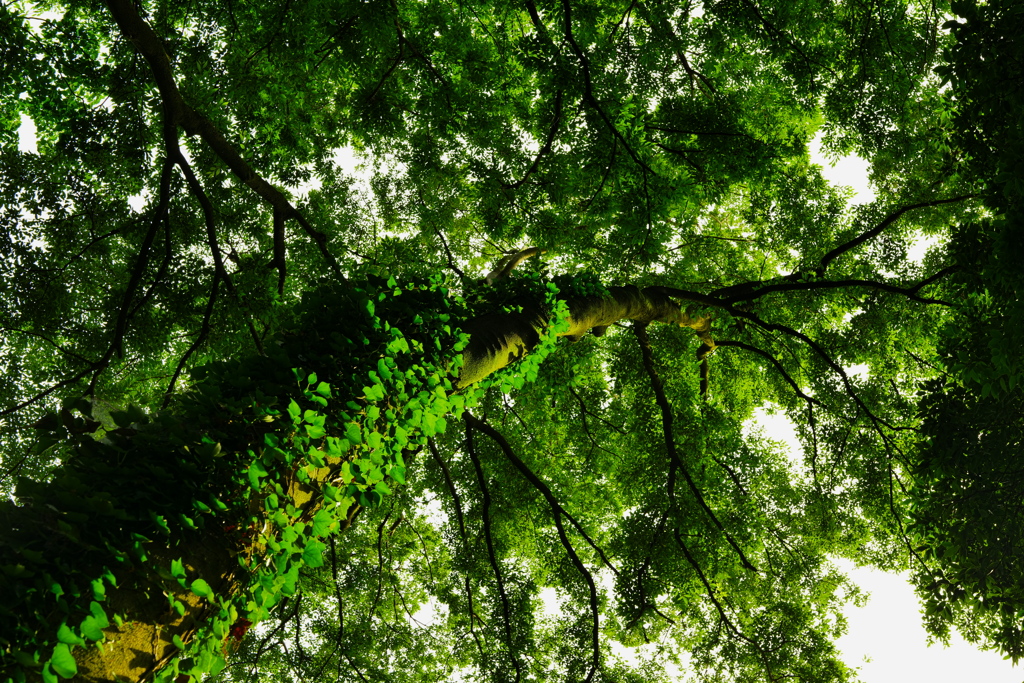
[274,453]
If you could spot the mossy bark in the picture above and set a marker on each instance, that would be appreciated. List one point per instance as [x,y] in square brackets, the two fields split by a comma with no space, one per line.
[502,338]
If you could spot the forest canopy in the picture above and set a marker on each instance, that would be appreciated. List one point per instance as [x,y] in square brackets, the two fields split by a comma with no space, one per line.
[483,412]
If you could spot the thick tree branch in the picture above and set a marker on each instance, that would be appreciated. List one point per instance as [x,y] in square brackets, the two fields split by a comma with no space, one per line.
[507,264]
[501,338]
[146,41]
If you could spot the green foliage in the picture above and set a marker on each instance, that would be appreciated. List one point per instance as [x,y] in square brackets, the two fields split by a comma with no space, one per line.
[187,238]
[966,499]
[967,516]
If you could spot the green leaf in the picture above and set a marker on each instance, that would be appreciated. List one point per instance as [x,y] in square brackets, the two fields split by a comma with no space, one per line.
[313,553]
[316,457]
[63,662]
[323,521]
[353,433]
[177,569]
[255,472]
[91,629]
[98,614]
[202,589]
[67,636]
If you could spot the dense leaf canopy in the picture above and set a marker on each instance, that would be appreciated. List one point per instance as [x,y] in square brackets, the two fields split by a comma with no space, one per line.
[190,226]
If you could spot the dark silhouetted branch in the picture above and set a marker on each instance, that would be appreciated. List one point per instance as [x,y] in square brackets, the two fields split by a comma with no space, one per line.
[203,333]
[546,149]
[179,113]
[670,444]
[486,514]
[831,256]
[557,513]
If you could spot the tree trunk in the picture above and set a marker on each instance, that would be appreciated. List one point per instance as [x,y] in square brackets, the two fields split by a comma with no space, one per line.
[145,594]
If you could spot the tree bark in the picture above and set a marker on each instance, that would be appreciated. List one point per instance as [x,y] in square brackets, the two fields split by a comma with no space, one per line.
[502,338]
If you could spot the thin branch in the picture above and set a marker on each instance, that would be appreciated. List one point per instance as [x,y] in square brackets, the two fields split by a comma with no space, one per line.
[775,362]
[798,286]
[546,149]
[670,445]
[659,24]
[209,217]
[875,231]
[537,483]
[836,367]
[557,512]
[622,19]
[141,260]
[354,667]
[49,341]
[719,607]
[203,332]
[337,589]
[584,409]
[770,28]
[279,261]
[588,87]
[98,365]
[447,251]
[604,179]
[457,500]
[486,514]
[680,131]
[86,248]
